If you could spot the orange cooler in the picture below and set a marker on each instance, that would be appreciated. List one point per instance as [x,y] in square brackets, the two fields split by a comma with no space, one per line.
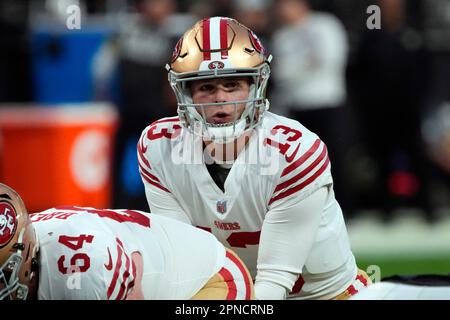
[59,155]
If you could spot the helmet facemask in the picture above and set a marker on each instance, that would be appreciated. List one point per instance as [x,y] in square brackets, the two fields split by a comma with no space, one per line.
[9,278]
[192,115]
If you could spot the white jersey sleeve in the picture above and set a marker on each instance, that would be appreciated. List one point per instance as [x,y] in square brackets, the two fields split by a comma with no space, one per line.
[304,222]
[305,167]
[292,228]
[148,171]
[159,197]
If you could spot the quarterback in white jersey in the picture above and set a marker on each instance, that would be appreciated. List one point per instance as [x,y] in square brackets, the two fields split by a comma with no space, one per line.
[87,253]
[259,182]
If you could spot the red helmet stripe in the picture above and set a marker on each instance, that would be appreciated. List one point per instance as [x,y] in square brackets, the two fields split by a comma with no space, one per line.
[224,37]
[206,40]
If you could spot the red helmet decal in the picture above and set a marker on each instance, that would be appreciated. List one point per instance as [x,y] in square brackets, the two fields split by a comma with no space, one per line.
[216,65]
[256,42]
[8,222]
[177,50]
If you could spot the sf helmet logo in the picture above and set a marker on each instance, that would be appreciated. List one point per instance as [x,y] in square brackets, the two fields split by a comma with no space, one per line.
[8,223]
[177,50]
[216,65]
[256,43]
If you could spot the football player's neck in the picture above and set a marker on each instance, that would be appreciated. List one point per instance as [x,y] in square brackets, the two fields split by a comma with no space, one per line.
[226,153]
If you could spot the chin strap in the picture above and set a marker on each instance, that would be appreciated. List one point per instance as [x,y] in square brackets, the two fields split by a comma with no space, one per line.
[225,134]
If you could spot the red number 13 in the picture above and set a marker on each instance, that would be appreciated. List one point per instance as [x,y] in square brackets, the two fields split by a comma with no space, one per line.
[284,147]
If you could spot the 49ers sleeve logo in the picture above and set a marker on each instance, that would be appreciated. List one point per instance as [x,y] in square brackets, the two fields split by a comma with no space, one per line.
[8,223]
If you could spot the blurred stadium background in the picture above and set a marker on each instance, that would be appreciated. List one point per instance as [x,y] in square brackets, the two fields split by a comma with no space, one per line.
[73,102]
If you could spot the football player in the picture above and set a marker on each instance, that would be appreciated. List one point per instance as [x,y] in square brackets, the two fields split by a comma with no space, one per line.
[259,182]
[87,253]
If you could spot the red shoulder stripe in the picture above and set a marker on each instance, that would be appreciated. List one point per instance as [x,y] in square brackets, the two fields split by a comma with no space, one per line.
[148,174]
[131,283]
[141,151]
[302,159]
[303,173]
[125,276]
[301,185]
[113,283]
[154,183]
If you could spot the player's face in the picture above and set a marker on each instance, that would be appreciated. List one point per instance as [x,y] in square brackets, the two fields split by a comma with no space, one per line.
[220,90]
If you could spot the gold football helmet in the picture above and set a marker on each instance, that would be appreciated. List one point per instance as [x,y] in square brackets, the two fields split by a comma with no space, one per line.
[18,246]
[213,48]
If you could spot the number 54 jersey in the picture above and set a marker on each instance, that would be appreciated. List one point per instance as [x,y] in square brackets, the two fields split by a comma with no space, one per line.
[282,164]
[86,253]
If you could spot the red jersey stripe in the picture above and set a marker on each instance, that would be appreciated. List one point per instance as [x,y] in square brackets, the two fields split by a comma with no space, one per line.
[148,174]
[205,228]
[206,40]
[244,273]
[363,280]
[298,285]
[302,159]
[113,283]
[228,278]
[303,173]
[125,276]
[301,185]
[141,151]
[154,183]
[131,283]
[351,290]
[224,38]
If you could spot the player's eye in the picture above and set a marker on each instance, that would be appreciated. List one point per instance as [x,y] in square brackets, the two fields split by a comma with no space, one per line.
[207,87]
[233,84]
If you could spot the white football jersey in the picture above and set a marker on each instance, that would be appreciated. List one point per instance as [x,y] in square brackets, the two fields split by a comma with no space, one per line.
[85,253]
[282,164]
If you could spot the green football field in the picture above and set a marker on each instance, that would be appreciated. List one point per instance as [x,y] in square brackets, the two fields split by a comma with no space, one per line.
[406,266]
[405,246]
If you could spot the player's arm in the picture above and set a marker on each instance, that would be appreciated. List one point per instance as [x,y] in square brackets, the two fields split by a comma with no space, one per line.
[295,208]
[164,203]
[287,235]
[159,197]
